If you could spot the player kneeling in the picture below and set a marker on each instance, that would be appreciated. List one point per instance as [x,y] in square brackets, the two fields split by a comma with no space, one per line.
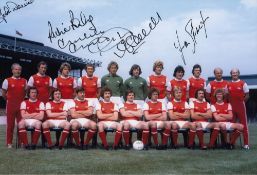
[56,111]
[107,114]
[131,114]
[179,113]
[200,114]
[222,113]
[155,114]
[32,113]
[81,112]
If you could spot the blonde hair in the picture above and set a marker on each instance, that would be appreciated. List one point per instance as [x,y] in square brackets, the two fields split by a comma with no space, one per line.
[157,63]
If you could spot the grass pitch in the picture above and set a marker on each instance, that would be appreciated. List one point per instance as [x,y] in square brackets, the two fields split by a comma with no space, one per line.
[98,161]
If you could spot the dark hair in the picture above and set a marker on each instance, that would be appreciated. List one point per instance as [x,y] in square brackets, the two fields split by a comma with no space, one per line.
[80,89]
[112,63]
[41,63]
[29,89]
[198,90]
[135,66]
[129,91]
[195,67]
[89,65]
[63,65]
[105,89]
[55,90]
[219,91]
[151,91]
[178,69]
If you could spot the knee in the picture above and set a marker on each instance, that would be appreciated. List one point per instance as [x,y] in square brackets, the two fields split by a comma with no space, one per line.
[167,125]
[21,124]
[93,125]
[67,125]
[241,127]
[145,126]
[126,125]
[198,125]
[38,125]
[100,127]
[223,127]
[119,127]
[74,126]
[45,125]
[192,126]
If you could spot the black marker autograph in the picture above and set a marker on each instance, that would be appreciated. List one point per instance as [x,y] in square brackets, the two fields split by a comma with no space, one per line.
[192,32]
[97,41]
[11,7]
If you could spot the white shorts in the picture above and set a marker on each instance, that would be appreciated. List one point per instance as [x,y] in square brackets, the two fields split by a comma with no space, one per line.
[108,124]
[140,102]
[95,102]
[56,123]
[180,123]
[228,125]
[30,122]
[133,123]
[82,121]
[204,124]
[117,100]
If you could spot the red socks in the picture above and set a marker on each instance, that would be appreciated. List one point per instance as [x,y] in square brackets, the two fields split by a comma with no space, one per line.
[47,136]
[75,136]
[35,137]
[90,135]
[23,136]
[155,135]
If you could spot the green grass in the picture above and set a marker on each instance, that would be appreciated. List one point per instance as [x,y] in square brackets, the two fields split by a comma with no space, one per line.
[98,161]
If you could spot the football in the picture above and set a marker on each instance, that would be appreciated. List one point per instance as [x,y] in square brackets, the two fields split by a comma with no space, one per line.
[138,145]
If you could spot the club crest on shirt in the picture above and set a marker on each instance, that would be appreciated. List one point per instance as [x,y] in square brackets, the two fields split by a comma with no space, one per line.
[37,81]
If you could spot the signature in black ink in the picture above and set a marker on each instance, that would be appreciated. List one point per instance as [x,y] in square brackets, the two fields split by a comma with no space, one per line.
[192,32]
[96,41]
[11,7]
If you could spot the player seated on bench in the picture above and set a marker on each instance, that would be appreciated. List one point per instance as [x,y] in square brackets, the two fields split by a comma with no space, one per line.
[81,112]
[131,118]
[156,116]
[107,114]
[201,114]
[32,113]
[222,113]
[179,113]
[56,111]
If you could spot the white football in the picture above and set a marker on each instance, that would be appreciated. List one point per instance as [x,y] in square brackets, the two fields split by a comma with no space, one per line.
[138,145]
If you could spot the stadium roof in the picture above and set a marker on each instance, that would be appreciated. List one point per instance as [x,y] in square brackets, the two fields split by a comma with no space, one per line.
[36,48]
[251,80]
